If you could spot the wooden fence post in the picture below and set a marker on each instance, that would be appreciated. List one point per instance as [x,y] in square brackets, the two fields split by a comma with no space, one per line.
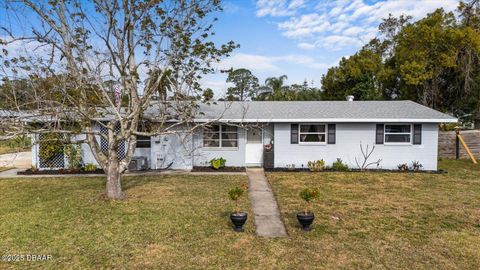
[459,137]
[457,146]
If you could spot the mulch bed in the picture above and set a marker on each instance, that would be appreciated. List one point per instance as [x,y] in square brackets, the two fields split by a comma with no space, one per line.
[58,172]
[353,170]
[224,169]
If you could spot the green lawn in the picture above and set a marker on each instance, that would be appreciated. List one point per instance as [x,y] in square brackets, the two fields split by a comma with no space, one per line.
[385,220]
[167,222]
[181,222]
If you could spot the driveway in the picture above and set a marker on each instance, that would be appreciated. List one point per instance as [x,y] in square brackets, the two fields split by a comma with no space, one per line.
[21,160]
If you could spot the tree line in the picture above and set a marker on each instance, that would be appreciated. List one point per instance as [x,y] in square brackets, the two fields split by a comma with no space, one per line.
[246,86]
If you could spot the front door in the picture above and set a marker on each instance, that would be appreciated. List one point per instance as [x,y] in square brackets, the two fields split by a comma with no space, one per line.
[254,147]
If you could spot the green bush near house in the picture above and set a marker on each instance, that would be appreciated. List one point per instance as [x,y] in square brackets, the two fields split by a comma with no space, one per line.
[74,156]
[218,163]
[339,166]
[316,165]
[90,167]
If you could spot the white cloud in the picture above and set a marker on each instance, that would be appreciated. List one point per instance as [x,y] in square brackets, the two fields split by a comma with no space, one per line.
[278,8]
[294,4]
[304,25]
[339,24]
[351,31]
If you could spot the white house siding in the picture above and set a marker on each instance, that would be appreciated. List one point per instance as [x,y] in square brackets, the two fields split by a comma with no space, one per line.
[87,155]
[35,152]
[347,147]
[173,151]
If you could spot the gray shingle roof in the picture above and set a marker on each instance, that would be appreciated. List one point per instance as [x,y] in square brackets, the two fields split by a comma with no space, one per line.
[323,111]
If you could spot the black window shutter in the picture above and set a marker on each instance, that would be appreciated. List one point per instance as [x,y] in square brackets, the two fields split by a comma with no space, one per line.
[417,134]
[379,134]
[331,133]
[294,133]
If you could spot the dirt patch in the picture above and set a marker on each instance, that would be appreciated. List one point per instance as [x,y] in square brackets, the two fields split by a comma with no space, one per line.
[224,169]
[306,170]
[58,172]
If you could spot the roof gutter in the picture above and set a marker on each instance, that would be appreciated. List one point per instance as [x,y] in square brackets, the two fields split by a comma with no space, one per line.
[334,120]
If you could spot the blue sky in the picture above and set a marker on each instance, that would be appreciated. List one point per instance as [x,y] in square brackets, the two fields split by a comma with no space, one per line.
[297,38]
[301,38]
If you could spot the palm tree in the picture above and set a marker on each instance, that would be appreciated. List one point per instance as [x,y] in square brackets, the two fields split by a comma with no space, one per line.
[276,83]
[164,85]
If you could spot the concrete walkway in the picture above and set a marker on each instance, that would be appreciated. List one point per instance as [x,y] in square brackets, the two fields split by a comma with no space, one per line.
[18,160]
[267,219]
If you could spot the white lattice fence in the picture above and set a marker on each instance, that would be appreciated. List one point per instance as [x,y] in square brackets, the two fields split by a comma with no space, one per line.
[121,150]
[51,153]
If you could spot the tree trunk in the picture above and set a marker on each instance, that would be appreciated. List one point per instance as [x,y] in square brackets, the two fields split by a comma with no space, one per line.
[114,186]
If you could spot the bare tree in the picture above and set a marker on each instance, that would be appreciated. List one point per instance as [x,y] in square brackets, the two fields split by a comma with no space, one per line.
[99,63]
[366,153]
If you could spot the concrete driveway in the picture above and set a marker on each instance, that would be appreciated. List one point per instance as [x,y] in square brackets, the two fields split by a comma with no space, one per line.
[22,160]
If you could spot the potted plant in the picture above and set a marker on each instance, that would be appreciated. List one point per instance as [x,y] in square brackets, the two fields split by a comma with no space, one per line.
[238,218]
[306,217]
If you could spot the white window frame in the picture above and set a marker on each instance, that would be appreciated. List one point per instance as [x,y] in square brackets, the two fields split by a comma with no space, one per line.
[311,143]
[144,140]
[401,133]
[220,146]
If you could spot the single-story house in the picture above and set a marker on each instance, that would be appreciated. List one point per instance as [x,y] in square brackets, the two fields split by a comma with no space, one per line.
[294,133]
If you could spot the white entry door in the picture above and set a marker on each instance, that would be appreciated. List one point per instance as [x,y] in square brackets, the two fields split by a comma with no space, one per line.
[254,147]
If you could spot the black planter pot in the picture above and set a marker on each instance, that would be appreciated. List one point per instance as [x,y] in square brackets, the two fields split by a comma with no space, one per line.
[305,220]
[238,219]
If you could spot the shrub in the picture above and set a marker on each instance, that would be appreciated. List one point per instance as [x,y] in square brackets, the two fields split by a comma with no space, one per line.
[403,167]
[90,167]
[308,195]
[218,163]
[339,166]
[416,166]
[316,165]
[234,194]
[74,156]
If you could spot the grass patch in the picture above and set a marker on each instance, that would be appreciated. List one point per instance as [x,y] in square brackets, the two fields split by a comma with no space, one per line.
[15,145]
[167,222]
[364,220]
[388,220]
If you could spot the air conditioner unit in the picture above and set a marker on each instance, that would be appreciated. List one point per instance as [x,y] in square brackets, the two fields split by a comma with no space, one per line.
[138,164]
